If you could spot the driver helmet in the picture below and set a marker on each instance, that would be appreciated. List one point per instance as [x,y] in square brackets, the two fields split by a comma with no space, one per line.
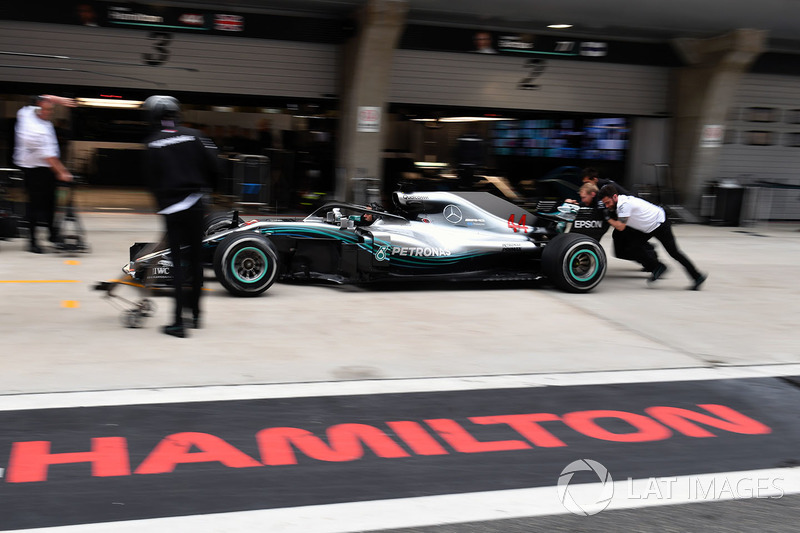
[161,109]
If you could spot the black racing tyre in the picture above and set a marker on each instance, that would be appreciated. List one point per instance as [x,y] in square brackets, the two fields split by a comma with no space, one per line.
[246,264]
[574,262]
[218,222]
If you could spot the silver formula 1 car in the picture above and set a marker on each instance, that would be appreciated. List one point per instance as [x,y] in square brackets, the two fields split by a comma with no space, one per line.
[430,235]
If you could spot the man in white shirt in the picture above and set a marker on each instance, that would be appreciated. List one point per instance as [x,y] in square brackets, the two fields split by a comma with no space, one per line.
[36,153]
[651,221]
[620,239]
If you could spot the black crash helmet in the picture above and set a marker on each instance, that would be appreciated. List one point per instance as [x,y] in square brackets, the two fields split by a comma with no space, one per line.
[162,108]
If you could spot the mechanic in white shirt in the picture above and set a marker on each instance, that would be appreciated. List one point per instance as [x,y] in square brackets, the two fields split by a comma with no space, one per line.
[651,221]
[36,153]
[620,239]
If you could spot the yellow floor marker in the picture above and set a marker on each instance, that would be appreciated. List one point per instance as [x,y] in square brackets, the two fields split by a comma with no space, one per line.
[70,304]
[39,281]
[72,262]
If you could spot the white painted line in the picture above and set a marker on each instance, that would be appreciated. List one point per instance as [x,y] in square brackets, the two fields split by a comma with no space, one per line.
[469,507]
[390,386]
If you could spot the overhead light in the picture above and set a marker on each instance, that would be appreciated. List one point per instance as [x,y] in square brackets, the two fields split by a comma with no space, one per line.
[471,119]
[427,164]
[115,103]
[461,119]
[559,26]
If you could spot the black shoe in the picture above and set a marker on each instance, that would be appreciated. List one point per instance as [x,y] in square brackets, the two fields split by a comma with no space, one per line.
[196,322]
[35,248]
[698,281]
[176,330]
[658,272]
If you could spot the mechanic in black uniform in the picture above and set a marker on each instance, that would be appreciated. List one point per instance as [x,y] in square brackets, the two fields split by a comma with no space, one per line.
[624,247]
[181,165]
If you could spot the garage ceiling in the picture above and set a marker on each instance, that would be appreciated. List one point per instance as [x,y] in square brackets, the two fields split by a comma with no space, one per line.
[637,20]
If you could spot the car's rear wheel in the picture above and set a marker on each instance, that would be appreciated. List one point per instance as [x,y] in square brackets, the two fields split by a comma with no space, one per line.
[574,263]
[246,264]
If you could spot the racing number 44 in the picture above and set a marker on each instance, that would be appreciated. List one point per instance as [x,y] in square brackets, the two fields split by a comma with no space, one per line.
[518,226]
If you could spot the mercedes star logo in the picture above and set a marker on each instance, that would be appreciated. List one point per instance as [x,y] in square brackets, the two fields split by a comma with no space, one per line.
[452,214]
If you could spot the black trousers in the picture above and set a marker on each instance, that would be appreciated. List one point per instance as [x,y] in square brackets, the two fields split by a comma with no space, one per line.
[185,236]
[665,236]
[626,243]
[40,185]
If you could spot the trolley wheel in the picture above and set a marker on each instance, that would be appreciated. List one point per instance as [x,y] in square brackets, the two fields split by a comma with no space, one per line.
[132,318]
[146,307]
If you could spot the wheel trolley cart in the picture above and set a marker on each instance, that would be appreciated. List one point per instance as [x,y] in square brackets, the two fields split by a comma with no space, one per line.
[158,277]
[134,313]
[72,232]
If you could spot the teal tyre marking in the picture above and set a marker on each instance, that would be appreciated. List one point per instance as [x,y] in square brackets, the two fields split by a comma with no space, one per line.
[249,265]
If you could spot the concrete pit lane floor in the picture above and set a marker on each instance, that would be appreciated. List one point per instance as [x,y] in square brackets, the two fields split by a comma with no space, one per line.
[423,379]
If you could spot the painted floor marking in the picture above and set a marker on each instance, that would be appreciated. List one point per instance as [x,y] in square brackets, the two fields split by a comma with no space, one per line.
[70,304]
[40,281]
[456,508]
[388,386]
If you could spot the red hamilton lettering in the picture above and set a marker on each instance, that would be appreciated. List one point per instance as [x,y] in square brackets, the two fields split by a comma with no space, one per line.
[463,442]
[729,420]
[647,429]
[527,426]
[175,450]
[345,444]
[31,461]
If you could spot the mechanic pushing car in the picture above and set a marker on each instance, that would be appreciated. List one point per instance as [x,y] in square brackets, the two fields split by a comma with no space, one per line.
[651,221]
[180,165]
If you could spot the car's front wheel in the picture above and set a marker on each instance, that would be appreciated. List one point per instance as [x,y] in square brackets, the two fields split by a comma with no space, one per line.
[218,222]
[246,264]
[574,263]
